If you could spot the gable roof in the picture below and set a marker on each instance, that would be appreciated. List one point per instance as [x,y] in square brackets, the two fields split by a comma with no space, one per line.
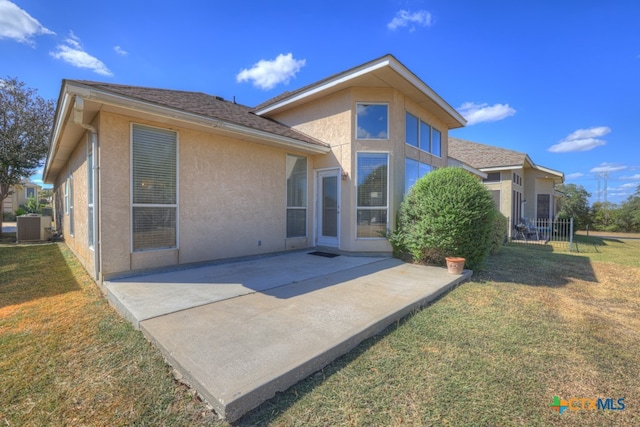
[385,71]
[205,105]
[80,100]
[489,158]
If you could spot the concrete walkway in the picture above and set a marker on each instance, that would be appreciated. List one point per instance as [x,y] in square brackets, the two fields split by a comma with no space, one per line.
[240,332]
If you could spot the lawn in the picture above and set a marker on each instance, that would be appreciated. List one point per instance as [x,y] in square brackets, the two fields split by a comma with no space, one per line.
[535,323]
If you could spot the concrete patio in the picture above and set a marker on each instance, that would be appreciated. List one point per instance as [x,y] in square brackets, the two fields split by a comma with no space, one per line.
[241,331]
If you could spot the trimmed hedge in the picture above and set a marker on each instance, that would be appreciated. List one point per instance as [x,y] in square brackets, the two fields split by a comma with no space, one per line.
[447,212]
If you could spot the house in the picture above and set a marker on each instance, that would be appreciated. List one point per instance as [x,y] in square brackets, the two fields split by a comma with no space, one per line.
[146,178]
[520,188]
[20,194]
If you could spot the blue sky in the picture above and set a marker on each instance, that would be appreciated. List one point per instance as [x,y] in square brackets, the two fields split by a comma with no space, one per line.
[559,80]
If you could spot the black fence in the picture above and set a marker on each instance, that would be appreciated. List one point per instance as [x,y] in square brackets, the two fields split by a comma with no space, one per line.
[541,232]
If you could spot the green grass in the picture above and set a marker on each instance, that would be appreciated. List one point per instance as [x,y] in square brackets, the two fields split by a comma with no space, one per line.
[534,323]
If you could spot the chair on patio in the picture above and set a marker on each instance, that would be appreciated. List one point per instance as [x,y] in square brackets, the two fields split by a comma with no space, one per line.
[531,230]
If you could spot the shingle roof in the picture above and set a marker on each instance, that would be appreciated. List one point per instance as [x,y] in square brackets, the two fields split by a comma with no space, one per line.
[484,156]
[204,105]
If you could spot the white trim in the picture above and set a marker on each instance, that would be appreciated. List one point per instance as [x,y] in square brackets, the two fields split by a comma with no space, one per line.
[317,197]
[286,198]
[345,77]
[356,121]
[132,205]
[388,154]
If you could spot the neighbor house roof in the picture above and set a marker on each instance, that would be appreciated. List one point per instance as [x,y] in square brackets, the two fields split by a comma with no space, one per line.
[489,158]
[383,72]
[80,100]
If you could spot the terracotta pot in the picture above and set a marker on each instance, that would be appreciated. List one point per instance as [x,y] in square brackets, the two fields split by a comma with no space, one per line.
[455,265]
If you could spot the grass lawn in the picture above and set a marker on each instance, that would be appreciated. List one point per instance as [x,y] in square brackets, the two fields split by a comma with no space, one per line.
[535,323]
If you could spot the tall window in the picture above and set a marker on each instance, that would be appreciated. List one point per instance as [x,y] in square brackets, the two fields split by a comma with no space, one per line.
[543,207]
[372,121]
[90,191]
[372,194]
[30,192]
[71,226]
[154,188]
[66,197]
[413,171]
[296,196]
[436,143]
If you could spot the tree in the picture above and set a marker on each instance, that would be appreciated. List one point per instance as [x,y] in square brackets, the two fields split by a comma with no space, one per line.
[575,203]
[25,125]
[628,216]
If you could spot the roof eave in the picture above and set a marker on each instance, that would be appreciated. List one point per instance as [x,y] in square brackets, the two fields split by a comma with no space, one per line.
[71,89]
[386,61]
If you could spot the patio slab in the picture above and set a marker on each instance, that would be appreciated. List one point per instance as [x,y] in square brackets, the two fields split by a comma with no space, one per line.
[261,337]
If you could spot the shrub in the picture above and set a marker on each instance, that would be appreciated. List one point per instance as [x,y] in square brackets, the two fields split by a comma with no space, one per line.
[499,232]
[21,211]
[446,213]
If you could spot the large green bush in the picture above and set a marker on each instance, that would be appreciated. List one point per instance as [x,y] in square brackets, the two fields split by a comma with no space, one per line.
[446,213]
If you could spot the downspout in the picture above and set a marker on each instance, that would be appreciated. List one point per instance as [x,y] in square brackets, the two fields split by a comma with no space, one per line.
[78,119]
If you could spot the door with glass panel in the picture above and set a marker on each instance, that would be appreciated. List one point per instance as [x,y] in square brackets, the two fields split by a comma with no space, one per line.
[328,207]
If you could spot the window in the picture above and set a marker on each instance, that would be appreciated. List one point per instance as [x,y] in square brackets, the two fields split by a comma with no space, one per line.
[90,192]
[154,188]
[411,130]
[516,207]
[30,192]
[421,135]
[517,179]
[492,177]
[436,144]
[296,196]
[66,197]
[413,171]
[544,206]
[372,172]
[372,121]
[71,229]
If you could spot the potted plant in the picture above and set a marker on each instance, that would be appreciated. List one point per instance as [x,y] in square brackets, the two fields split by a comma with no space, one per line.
[455,265]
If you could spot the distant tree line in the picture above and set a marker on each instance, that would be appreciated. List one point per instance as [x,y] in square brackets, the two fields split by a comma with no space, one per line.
[623,217]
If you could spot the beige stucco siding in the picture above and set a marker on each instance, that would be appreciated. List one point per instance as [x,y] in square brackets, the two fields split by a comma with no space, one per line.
[231,199]
[333,120]
[78,241]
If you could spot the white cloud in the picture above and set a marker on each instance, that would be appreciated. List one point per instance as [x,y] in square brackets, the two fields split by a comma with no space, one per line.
[581,140]
[636,176]
[631,185]
[574,175]
[17,24]
[608,167]
[73,53]
[478,113]
[267,74]
[120,51]
[404,18]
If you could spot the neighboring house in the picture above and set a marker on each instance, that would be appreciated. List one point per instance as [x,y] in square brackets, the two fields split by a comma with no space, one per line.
[20,194]
[520,188]
[147,178]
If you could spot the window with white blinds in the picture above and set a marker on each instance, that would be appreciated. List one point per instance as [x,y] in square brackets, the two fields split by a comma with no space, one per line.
[372,194]
[154,188]
[296,196]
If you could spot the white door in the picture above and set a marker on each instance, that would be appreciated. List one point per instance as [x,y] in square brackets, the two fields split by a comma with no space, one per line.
[328,207]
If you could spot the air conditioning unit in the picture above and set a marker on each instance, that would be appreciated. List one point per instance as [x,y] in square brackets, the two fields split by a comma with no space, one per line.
[33,228]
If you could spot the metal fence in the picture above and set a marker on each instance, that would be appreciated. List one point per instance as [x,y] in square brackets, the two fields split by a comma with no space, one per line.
[541,232]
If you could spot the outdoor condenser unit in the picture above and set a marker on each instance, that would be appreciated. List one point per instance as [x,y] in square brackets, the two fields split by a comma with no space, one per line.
[33,228]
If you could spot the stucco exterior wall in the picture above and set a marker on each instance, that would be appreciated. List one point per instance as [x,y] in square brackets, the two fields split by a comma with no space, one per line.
[231,199]
[333,120]
[76,170]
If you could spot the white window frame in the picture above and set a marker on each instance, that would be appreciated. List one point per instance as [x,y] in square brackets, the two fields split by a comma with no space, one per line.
[90,194]
[26,192]
[372,207]
[66,196]
[306,201]
[175,205]
[386,104]
[71,210]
